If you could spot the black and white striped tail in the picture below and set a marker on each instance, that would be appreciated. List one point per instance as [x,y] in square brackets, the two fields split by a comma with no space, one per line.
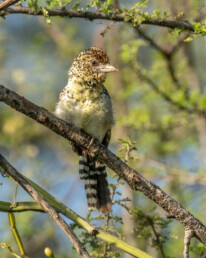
[96,185]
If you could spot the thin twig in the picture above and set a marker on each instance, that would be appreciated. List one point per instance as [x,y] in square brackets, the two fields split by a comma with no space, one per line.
[152,42]
[184,35]
[184,177]
[167,54]
[45,205]
[16,235]
[168,98]
[179,43]
[6,3]
[157,239]
[20,207]
[201,15]
[188,235]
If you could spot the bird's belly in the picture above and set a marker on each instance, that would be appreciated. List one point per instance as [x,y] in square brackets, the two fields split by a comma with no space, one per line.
[94,117]
[95,122]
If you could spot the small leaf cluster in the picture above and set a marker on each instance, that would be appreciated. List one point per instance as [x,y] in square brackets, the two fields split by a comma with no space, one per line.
[199,30]
[136,16]
[199,250]
[151,226]
[33,4]
[104,6]
[127,147]
[61,4]
[98,247]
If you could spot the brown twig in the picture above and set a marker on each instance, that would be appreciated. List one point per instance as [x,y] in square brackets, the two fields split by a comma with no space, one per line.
[172,24]
[11,171]
[172,49]
[187,238]
[152,42]
[183,176]
[6,3]
[137,182]
[168,98]
[166,52]
[201,14]
[159,243]
[184,35]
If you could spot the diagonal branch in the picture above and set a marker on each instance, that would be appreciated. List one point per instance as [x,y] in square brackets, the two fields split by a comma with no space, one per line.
[187,239]
[9,170]
[119,17]
[6,3]
[152,42]
[137,182]
[168,98]
[61,208]
[167,54]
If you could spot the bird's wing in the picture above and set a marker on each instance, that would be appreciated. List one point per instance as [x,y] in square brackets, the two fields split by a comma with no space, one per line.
[107,138]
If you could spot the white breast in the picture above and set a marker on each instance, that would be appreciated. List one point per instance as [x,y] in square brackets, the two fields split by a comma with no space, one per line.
[95,117]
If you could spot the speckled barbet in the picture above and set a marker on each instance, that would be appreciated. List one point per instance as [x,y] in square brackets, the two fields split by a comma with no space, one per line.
[86,103]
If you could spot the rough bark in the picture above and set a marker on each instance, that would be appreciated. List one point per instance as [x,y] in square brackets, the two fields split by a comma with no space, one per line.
[6,3]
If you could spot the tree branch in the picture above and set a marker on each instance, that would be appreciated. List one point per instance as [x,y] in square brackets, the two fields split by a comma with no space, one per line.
[16,235]
[9,170]
[167,54]
[183,36]
[137,182]
[160,245]
[168,98]
[152,42]
[172,24]
[61,208]
[6,3]
[183,177]
[187,238]
[20,207]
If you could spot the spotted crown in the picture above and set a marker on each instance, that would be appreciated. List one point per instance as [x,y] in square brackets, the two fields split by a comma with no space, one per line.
[84,65]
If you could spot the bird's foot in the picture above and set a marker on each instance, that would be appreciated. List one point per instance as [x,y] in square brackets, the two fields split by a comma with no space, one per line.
[91,152]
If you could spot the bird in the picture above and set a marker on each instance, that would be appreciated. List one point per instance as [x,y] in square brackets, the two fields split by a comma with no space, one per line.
[86,103]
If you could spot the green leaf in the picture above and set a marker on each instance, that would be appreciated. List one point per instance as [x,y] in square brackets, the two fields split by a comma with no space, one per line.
[46,15]
[140,4]
[200,249]
[76,6]
[32,3]
[179,96]
[194,95]
[202,102]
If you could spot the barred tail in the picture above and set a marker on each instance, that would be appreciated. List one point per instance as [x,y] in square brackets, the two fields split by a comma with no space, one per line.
[96,185]
[90,182]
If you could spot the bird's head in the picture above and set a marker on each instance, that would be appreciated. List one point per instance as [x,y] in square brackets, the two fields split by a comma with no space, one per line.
[91,66]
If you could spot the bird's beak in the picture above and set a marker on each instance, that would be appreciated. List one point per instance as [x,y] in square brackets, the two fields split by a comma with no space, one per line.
[106,68]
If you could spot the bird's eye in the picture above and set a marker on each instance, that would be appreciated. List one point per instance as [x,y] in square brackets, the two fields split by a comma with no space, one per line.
[94,62]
